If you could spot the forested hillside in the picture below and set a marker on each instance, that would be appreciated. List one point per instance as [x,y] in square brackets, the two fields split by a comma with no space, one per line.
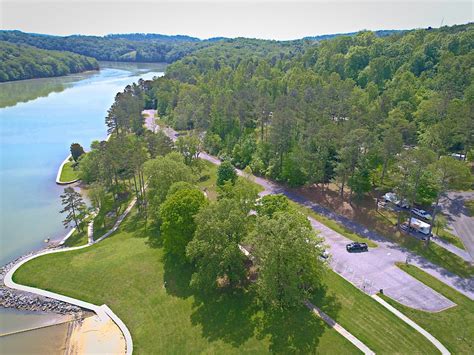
[348,109]
[127,48]
[143,47]
[19,62]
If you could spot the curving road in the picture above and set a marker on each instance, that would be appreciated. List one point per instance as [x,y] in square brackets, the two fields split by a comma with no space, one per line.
[370,271]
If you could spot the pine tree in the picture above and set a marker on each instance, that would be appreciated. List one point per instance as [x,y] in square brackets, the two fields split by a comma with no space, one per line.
[74,207]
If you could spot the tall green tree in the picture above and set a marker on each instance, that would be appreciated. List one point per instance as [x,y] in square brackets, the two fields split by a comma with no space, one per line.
[162,172]
[286,251]
[214,250]
[177,220]
[74,208]
[76,151]
[190,147]
[226,173]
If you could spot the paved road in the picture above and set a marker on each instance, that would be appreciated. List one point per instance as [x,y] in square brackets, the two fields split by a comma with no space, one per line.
[374,270]
[461,224]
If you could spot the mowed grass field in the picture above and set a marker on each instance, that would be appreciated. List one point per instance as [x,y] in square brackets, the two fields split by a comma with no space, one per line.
[68,173]
[150,293]
[128,273]
[454,327]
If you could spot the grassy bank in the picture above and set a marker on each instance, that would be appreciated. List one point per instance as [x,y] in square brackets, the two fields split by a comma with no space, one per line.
[470,207]
[128,272]
[77,238]
[450,238]
[68,173]
[454,326]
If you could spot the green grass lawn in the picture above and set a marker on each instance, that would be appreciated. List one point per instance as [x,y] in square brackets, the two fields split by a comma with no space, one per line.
[127,272]
[438,255]
[470,207]
[68,173]
[450,238]
[207,179]
[454,327]
[77,238]
[369,321]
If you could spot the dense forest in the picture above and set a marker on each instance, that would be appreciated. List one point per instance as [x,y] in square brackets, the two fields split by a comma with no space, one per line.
[138,47]
[126,48]
[18,62]
[342,110]
[361,112]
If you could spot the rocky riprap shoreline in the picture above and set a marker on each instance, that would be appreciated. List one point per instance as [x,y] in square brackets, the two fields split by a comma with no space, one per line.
[27,301]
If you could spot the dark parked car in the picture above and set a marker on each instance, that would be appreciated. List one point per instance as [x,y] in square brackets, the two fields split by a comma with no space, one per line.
[352,247]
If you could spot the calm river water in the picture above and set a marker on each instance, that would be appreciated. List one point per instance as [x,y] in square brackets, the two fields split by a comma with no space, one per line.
[39,119]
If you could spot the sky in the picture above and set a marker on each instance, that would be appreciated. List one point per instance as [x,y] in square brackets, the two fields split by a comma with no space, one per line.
[268,19]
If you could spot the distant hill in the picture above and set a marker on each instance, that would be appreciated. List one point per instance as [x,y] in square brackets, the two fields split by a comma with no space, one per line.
[153,37]
[19,61]
[136,47]
[126,47]
[379,33]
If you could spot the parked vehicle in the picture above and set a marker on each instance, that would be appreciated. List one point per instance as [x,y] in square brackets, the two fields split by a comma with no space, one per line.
[459,156]
[324,255]
[419,226]
[393,198]
[421,213]
[355,246]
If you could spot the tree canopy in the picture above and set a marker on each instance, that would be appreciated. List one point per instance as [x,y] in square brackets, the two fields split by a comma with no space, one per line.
[19,61]
[177,219]
[286,251]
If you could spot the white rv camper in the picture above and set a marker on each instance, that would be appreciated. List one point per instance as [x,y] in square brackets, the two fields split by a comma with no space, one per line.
[419,226]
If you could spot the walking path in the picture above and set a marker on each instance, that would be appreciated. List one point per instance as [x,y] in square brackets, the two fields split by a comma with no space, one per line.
[407,320]
[104,313]
[90,232]
[370,271]
[339,328]
[328,320]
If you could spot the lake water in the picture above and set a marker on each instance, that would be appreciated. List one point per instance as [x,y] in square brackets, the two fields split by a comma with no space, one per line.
[39,119]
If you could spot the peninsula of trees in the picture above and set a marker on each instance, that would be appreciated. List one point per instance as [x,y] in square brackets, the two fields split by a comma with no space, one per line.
[18,62]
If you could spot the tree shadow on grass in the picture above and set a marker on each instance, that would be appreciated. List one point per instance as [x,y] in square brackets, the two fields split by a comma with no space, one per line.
[227,316]
[298,329]
[235,316]
[325,302]
[154,236]
[294,330]
[177,276]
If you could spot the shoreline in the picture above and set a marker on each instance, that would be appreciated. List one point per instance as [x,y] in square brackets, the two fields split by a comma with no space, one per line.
[90,71]
[99,332]
[60,170]
[25,301]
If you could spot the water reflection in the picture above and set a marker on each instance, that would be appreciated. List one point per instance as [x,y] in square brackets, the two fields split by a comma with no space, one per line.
[14,92]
